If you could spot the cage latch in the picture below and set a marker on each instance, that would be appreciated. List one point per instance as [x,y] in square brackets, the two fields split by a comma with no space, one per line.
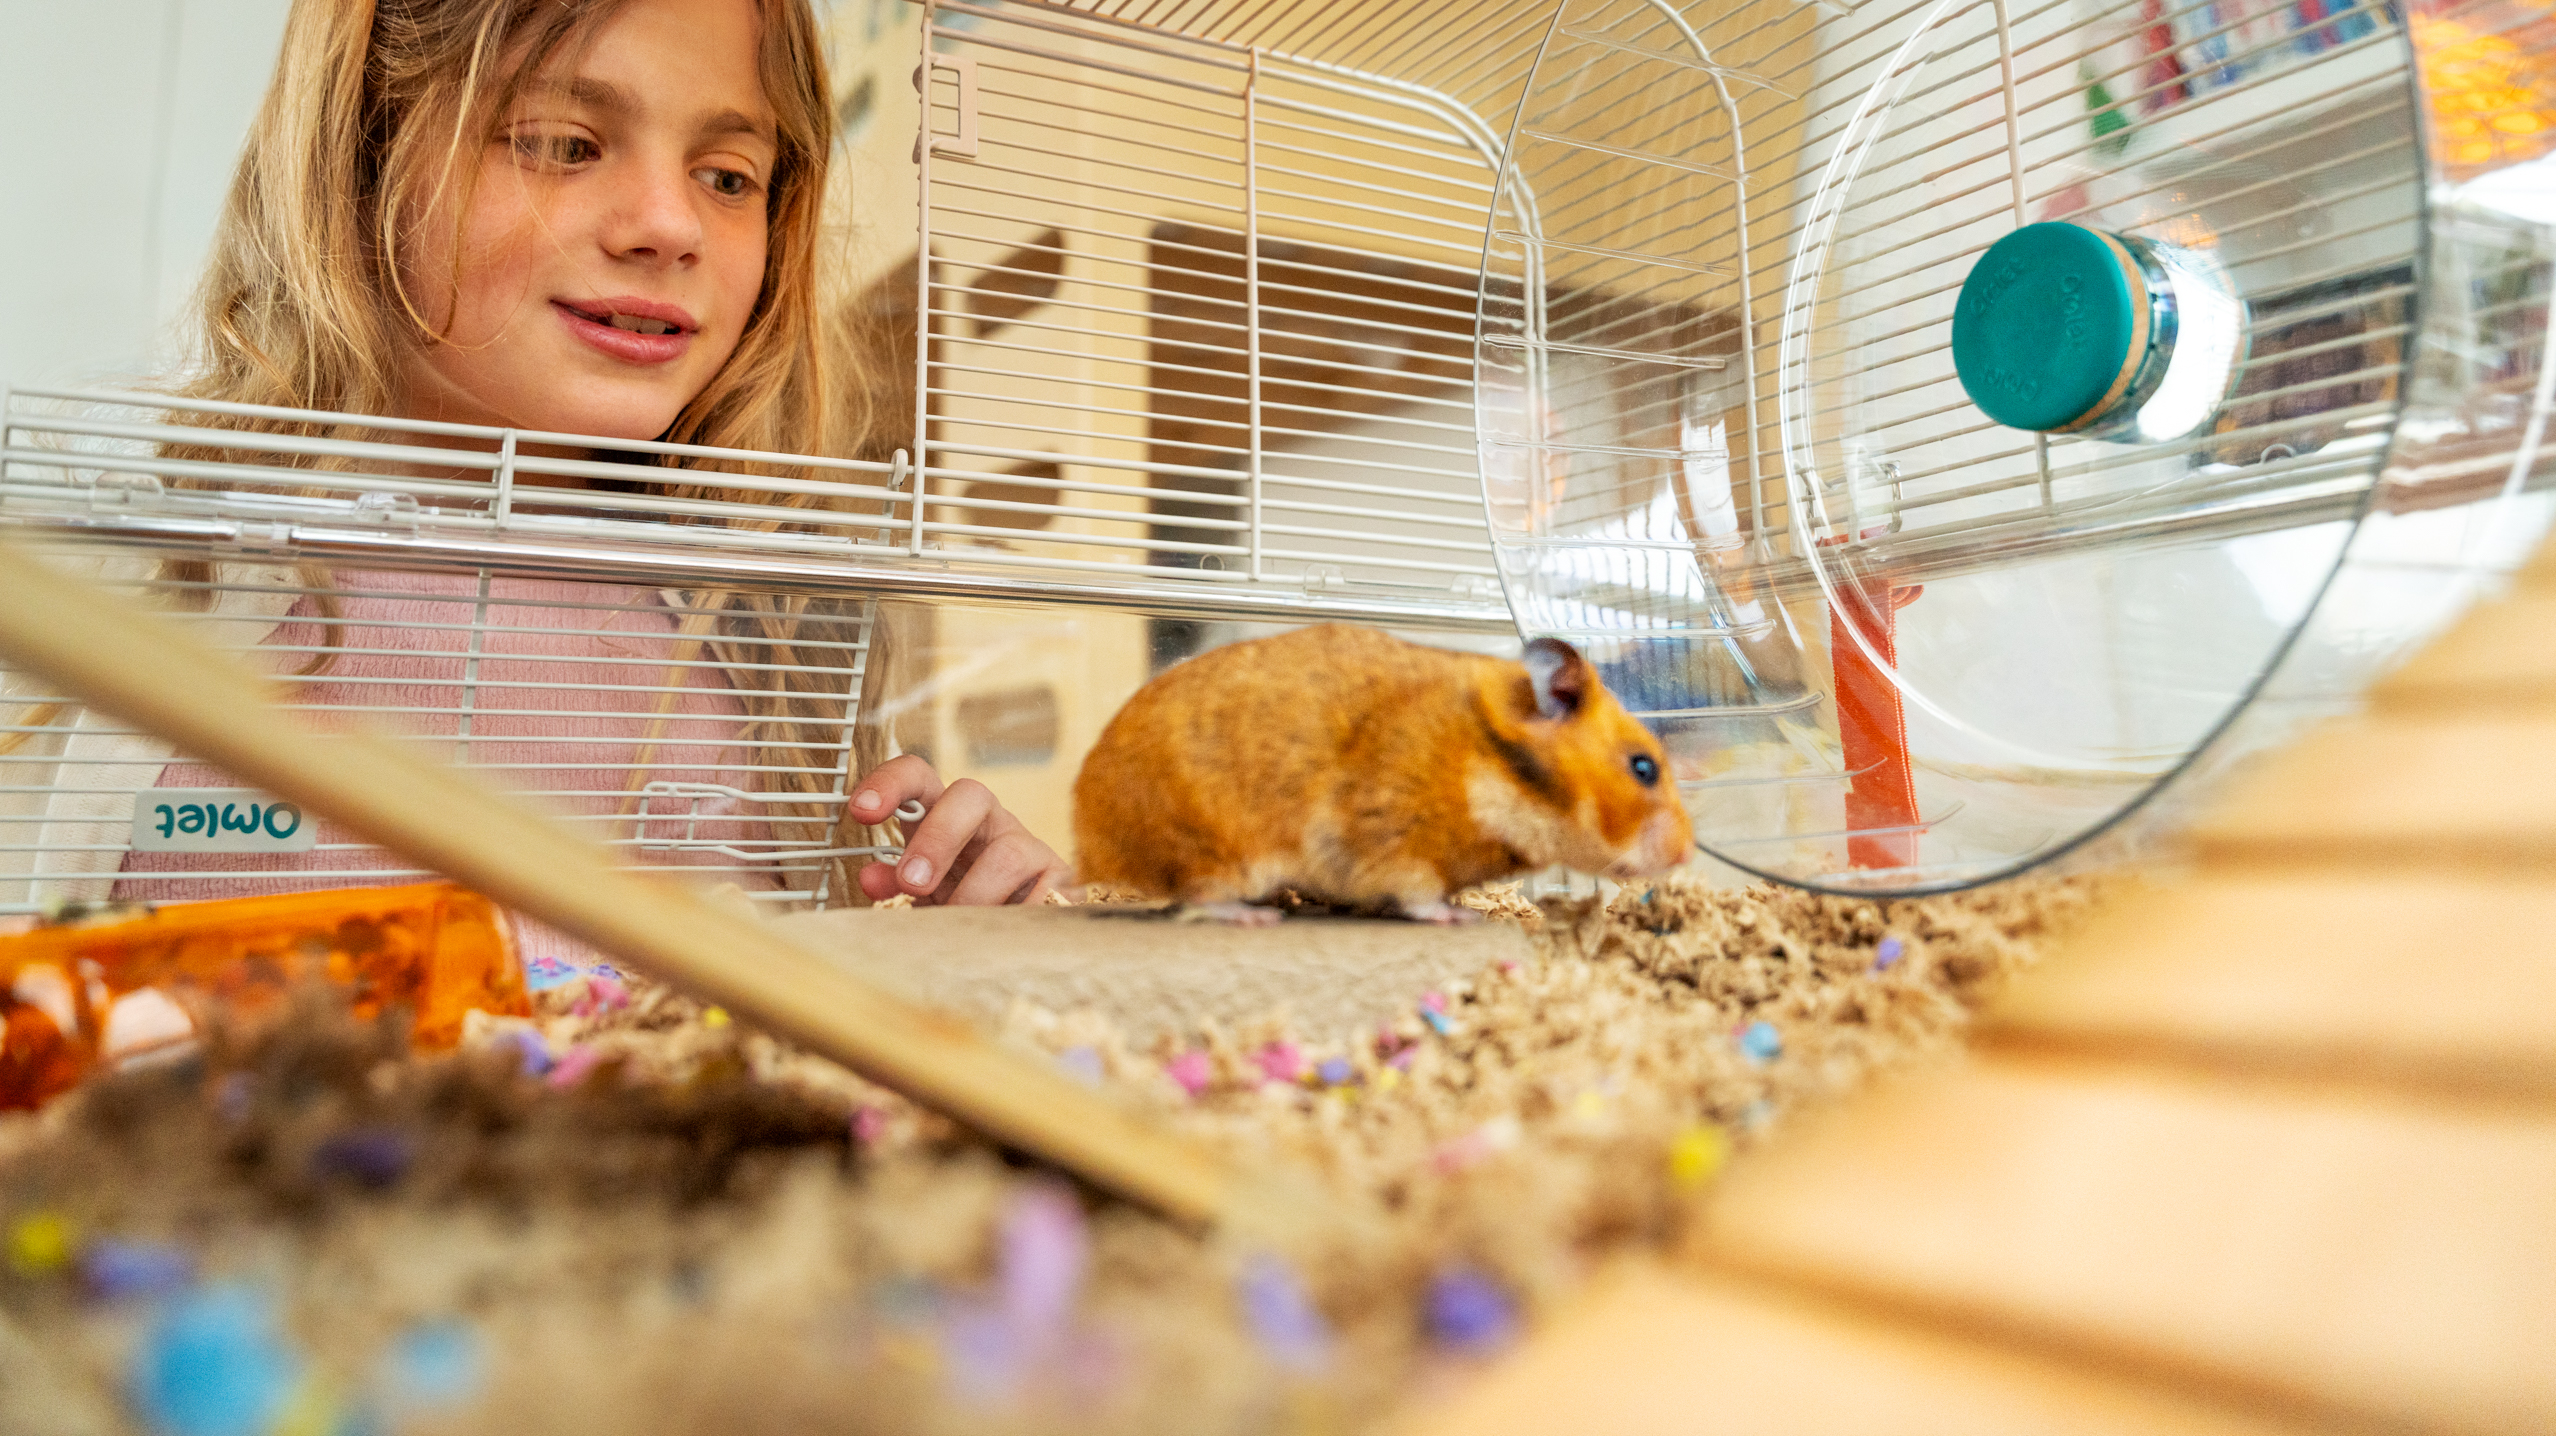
[122,490]
[250,540]
[388,510]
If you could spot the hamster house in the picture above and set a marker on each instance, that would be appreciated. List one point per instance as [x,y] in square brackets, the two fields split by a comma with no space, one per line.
[1944,422]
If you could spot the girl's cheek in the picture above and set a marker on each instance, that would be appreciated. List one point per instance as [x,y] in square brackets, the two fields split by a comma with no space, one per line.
[503,223]
[500,239]
[743,236]
[459,276]
[742,271]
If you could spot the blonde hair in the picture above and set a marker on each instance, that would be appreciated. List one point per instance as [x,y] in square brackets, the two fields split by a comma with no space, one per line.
[378,110]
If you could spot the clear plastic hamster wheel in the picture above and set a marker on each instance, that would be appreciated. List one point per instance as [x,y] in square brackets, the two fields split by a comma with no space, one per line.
[1946,423]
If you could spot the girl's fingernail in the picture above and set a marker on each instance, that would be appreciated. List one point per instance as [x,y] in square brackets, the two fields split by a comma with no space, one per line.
[917,872]
[865,800]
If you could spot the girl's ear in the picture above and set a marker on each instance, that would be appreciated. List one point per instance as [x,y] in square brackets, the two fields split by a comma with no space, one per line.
[1559,675]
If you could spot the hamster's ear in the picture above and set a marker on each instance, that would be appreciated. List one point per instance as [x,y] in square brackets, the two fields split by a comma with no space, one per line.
[1560,676]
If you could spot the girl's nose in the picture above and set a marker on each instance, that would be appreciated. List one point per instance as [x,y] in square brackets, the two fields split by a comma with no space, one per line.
[655,222]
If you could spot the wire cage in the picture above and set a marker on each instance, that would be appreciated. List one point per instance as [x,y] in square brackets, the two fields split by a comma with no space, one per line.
[1732,438]
[608,649]
[1625,321]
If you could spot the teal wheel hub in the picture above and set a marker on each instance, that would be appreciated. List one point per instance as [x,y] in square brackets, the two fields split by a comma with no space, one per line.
[2058,329]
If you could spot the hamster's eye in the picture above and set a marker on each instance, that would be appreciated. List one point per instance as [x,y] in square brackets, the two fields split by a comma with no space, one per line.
[1646,770]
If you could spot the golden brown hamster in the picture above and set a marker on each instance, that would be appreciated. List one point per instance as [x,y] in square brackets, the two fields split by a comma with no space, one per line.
[1360,770]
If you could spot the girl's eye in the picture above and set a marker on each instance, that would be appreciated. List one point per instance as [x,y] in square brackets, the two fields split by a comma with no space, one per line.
[557,151]
[727,184]
[1646,769]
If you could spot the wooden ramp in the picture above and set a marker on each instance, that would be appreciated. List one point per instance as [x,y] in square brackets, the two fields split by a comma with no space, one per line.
[2271,1150]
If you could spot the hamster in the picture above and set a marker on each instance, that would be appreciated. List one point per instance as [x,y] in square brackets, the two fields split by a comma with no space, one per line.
[1360,770]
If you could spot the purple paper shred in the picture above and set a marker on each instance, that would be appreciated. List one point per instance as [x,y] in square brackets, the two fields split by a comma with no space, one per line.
[374,1157]
[1044,1251]
[114,1270]
[1469,1312]
[234,1096]
[535,1052]
[985,1355]
[1282,1318]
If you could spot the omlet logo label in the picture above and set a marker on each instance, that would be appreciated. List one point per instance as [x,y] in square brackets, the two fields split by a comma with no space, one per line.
[219,820]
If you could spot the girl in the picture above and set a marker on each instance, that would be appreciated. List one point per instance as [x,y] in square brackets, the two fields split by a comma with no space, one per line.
[581,216]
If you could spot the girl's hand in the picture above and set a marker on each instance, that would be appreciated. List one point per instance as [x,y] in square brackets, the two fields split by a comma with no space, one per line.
[967,851]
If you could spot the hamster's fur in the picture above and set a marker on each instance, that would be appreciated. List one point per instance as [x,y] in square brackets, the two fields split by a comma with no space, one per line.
[1360,770]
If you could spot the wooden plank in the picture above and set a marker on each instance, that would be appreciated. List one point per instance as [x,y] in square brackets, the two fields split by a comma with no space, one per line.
[2426,979]
[2500,655]
[1648,1352]
[2441,791]
[2388,1259]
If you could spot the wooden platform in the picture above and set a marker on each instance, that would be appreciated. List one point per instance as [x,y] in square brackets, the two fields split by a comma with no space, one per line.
[1150,973]
[2269,1150]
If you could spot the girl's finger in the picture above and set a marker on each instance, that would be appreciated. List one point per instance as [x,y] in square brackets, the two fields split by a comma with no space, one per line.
[878,881]
[1008,864]
[892,784]
[959,868]
[1054,877]
[932,849]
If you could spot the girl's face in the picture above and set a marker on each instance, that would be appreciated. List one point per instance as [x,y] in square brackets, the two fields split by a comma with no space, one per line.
[614,245]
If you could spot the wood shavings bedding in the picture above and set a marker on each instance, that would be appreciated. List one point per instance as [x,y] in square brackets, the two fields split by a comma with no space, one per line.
[634,1216]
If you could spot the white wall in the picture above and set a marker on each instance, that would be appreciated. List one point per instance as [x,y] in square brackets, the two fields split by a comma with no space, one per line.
[119,123]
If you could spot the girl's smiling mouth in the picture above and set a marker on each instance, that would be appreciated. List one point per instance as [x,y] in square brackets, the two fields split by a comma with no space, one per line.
[628,328]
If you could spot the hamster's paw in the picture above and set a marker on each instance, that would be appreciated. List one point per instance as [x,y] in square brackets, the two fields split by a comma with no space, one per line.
[1444,914]
[1231,914]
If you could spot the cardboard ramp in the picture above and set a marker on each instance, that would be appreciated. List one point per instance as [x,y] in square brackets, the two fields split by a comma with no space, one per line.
[2268,1149]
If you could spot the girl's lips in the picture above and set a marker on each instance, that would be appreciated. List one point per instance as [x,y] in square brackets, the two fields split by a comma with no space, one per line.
[623,344]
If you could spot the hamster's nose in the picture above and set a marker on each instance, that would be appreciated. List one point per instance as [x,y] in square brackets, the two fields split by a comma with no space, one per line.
[1661,845]
[1671,836]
